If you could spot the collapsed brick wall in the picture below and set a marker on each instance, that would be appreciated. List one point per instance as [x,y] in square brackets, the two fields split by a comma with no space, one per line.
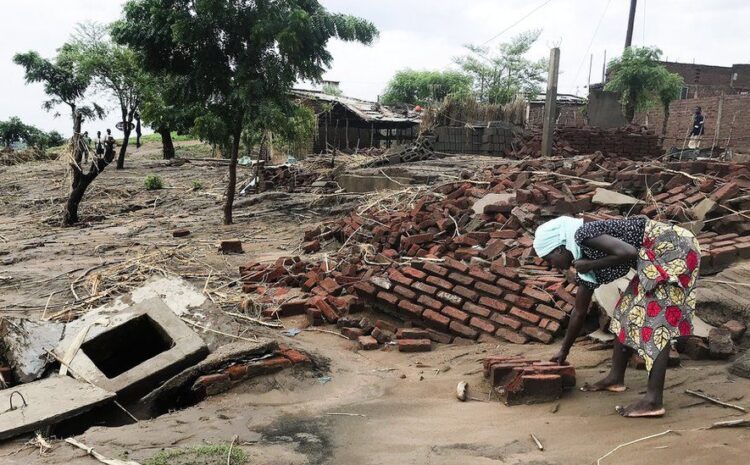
[622,142]
[494,140]
[567,115]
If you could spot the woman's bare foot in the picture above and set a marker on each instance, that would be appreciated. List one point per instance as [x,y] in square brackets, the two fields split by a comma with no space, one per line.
[607,384]
[641,408]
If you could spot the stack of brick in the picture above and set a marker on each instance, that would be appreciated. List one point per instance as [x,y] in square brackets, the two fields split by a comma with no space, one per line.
[720,251]
[521,381]
[468,301]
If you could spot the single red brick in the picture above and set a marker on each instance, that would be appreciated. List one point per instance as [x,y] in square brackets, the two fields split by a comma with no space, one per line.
[329,285]
[388,297]
[363,287]
[367,343]
[440,282]
[294,356]
[456,265]
[537,333]
[509,285]
[553,313]
[725,192]
[412,333]
[519,301]
[565,295]
[481,324]
[212,384]
[536,294]
[435,319]
[405,292]
[494,304]
[553,327]
[479,273]
[476,309]
[461,279]
[500,269]
[435,269]
[352,333]
[385,326]
[426,288]
[430,302]
[507,321]
[511,335]
[411,309]
[328,312]
[489,289]
[532,389]
[416,239]
[314,316]
[456,314]
[504,234]
[469,294]
[494,249]
[396,276]
[463,330]
[413,273]
[414,345]
[524,315]
[382,336]
[236,372]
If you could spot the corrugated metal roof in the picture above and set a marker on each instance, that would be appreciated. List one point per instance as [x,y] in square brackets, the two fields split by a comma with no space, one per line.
[368,111]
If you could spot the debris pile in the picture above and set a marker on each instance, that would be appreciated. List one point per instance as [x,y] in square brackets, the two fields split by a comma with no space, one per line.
[457,259]
[521,381]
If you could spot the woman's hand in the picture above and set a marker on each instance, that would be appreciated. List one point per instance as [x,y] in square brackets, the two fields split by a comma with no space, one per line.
[560,357]
[583,265]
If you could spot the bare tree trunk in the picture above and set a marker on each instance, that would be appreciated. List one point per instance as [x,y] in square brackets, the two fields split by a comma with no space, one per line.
[167,147]
[80,181]
[232,176]
[127,118]
[664,125]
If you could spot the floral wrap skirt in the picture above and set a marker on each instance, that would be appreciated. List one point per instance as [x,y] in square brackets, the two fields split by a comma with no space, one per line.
[659,302]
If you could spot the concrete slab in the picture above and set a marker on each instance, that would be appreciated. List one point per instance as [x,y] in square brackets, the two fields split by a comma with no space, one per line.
[132,351]
[48,401]
[357,183]
[490,199]
[24,344]
[608,197]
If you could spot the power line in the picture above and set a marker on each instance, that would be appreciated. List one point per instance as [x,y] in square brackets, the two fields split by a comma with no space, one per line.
[591,42]
[515,24]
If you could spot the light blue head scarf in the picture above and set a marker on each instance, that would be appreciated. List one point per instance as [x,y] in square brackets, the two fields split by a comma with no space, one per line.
[557,232]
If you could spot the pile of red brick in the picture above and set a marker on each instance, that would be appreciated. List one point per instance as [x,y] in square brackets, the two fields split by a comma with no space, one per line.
[521,381]
[438,263]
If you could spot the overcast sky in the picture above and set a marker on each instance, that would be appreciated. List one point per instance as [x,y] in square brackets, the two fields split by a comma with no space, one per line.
[420,34]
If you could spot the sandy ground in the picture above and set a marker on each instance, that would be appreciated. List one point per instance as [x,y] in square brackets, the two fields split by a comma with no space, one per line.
[404,405]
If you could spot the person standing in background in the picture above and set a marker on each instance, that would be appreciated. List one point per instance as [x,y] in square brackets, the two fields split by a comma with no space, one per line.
[696,132]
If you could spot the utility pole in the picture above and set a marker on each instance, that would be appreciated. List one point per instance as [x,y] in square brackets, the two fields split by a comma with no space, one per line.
[550,108]
[604,67]
[631,20]
[591,63]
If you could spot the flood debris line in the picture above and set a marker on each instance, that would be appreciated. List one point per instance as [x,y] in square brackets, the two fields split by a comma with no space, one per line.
[456,259]
[521,381]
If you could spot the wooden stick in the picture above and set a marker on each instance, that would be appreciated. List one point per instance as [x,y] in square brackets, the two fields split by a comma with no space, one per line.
[599,460]
[714,400]
[206,328]
[538,443]
[730,423]
[327,332]
[229,455]
[255,320]
[344,414]
[90,451]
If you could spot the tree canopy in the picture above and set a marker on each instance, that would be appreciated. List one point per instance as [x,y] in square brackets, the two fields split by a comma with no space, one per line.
[235,60]
[423,87]
[642,80]
[499,76]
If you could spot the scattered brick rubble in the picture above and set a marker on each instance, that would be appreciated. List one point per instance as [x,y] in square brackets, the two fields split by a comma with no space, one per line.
[521,381]
[436,263]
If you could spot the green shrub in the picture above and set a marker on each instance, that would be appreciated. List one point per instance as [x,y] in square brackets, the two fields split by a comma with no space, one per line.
[153,182]
[197,185]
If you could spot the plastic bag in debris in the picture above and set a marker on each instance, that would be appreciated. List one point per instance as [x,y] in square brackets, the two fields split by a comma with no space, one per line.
[244,161]
[290,160]
[291,332]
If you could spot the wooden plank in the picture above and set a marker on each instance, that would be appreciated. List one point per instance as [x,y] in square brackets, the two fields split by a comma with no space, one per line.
[48,401]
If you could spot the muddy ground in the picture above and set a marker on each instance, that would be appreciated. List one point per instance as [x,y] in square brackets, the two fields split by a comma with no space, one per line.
[399,408]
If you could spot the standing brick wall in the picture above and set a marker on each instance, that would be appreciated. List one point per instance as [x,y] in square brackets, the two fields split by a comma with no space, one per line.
[611,141]
[735,119]
[567,115]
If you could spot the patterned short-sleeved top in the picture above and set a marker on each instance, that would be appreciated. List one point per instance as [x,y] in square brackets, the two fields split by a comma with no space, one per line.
[628,230]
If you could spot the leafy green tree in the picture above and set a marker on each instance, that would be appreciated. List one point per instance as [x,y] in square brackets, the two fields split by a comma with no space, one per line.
[642,80]
[160,114]
[66,83]
[415,87]
[234,59]
[115,70]
[55,139]
[12,131]
[670,86]
[502,75]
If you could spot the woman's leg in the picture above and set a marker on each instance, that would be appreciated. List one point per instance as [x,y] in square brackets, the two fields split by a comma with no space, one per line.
[652,404]
[615,380]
